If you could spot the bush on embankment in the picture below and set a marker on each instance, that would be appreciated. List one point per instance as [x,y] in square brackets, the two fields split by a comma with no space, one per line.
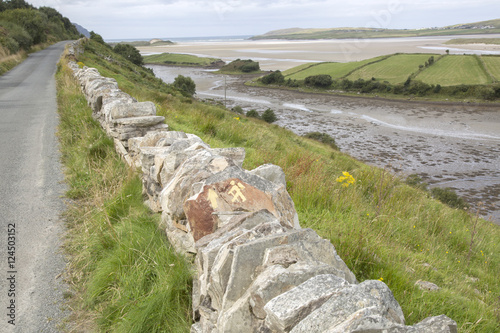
[381,227]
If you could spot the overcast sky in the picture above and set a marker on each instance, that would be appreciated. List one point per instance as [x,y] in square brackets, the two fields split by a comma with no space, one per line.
[122,19]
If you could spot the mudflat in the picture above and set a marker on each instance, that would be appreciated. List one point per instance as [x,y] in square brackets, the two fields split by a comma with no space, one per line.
[282,55]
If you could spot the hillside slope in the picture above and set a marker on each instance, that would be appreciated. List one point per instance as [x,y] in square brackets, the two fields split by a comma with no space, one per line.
[381,227]
[484,27]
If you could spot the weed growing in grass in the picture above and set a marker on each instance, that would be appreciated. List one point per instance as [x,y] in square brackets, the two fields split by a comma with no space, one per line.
[473,231]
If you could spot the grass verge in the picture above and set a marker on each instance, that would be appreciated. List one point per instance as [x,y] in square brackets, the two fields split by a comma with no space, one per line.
[8,62]
[381,227]
[124,274]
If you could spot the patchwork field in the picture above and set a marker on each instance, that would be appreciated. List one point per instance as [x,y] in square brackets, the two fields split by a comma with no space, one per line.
[336,70]
[455,70]
[394,69]
[450,70]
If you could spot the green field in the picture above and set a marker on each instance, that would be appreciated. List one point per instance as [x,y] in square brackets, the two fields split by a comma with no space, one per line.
[335,69]
[297,69]
[179,59]
[454,70]
[493,66]
[395,69]
[438,77]
[447,70]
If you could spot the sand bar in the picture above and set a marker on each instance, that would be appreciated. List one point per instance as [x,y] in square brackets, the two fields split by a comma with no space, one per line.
[283,54]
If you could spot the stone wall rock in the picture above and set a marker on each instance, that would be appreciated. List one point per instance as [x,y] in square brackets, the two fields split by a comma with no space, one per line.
[256,270]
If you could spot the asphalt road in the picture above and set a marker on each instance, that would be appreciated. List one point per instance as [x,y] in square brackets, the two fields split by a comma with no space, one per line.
[31,189]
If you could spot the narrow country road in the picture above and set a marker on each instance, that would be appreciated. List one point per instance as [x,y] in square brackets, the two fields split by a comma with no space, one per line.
[31,291]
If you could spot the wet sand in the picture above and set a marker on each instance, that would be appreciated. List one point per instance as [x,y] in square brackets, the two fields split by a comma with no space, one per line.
[449,145]
[282,55]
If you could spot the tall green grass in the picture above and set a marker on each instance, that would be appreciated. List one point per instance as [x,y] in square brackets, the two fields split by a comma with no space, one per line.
[381,227]
[125,275]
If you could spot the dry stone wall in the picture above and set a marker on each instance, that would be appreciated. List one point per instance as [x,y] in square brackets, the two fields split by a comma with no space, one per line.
[257,270]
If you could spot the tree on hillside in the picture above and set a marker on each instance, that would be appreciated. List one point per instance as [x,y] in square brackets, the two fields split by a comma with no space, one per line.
[185,85]
[129,52]
[322,80]
[275,77]
[98,38]
[250,66]
[33,21]
[16,38]
[57,19]
[23,26]
[14,4]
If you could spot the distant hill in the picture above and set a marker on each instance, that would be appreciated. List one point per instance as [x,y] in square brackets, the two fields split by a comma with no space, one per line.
[82,30]
[483,27]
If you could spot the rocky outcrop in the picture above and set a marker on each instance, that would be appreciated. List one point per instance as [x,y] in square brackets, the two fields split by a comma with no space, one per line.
[257,270]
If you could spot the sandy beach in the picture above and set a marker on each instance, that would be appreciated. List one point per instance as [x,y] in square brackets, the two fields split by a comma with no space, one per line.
[282,55]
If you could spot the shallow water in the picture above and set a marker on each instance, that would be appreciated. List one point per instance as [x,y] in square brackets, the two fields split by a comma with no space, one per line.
[449,145]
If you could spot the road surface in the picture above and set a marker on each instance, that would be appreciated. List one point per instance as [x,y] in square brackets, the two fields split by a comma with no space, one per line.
[31,189]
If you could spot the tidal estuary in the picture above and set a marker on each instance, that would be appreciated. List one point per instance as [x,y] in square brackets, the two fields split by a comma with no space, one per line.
[448,145]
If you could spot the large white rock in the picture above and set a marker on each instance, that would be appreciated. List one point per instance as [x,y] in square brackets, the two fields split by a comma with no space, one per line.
[131,110]
[347,301]
[286,310]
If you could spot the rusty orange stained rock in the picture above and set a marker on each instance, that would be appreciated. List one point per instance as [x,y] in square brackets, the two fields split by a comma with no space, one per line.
[227,196]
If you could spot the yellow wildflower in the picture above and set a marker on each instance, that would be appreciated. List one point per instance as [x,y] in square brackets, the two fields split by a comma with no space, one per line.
[346,179]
